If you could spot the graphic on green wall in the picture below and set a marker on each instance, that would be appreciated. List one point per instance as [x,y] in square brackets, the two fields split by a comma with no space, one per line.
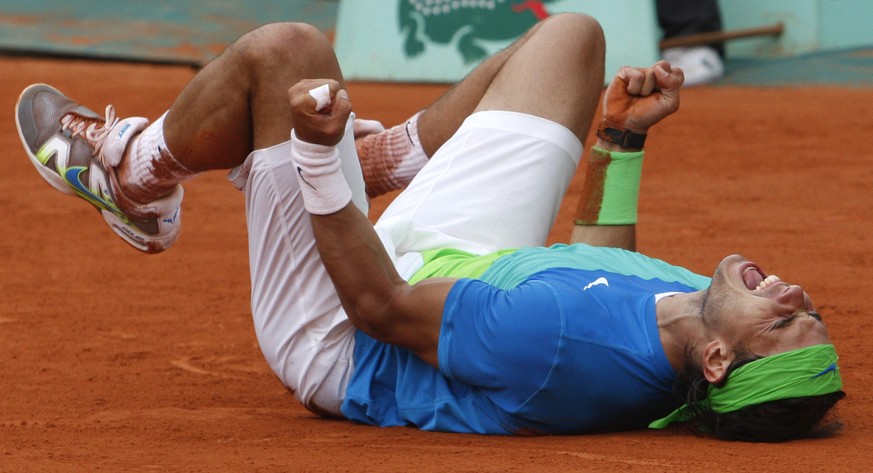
[440,21]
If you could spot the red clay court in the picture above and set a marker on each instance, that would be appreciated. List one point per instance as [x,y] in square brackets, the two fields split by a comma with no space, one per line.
[119,361]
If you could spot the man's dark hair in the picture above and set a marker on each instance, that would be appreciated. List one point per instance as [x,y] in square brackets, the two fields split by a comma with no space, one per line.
[773,421]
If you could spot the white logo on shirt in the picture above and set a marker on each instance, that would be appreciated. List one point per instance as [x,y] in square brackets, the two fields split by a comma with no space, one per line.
[597,282]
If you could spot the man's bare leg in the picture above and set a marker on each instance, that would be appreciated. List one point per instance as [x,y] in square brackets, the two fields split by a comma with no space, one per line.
[556,75]
[130,170]
[391,159]
[238,102]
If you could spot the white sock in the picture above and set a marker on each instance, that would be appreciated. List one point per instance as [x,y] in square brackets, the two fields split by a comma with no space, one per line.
[153,171]
[391,159]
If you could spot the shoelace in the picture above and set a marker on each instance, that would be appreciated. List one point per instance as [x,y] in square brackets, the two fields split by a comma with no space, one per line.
[94,130]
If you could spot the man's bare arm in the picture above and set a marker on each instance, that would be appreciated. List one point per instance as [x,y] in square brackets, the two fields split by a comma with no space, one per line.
[376,299]
[636,99]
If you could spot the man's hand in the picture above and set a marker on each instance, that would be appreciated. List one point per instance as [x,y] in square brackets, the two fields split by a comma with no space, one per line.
[325,126]
[363,128]
[637,98]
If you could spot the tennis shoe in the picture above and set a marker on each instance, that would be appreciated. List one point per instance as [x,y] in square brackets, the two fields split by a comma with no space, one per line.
[701,64]
[76,151]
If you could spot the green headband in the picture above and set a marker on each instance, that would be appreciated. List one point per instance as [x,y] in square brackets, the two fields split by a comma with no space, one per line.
[810,371]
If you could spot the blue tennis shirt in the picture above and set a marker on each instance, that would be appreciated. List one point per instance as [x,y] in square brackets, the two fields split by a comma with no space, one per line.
[551,340]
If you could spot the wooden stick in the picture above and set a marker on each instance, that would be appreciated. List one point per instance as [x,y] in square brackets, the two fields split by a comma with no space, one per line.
[720,36]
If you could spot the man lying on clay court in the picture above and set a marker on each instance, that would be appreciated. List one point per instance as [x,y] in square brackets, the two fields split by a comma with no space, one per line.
[449,315]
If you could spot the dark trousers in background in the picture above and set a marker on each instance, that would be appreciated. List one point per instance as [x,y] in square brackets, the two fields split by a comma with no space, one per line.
[684,17]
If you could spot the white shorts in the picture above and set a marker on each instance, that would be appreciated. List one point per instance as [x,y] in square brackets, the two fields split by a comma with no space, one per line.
[496,184]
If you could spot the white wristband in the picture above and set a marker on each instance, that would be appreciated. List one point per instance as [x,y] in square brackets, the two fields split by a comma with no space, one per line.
[322,184]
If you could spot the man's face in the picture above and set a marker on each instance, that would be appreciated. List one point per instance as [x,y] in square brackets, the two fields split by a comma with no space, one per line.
[760,313]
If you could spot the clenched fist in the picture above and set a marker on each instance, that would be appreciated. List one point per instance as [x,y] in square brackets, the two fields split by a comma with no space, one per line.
[325,125]
[637,98]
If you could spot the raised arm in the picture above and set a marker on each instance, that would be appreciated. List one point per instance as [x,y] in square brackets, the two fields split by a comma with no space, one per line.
[376,299]
[636,99]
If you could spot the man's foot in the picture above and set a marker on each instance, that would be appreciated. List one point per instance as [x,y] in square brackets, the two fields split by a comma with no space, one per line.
[76,152]
[701,64]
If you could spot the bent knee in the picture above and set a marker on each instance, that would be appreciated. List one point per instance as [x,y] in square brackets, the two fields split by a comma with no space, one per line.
[279,44]
[579,22]
[578,30]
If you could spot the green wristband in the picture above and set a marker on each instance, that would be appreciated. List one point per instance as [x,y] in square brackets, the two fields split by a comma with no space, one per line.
[611,189]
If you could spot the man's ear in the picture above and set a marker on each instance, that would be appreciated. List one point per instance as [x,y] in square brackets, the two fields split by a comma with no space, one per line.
[717,357]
